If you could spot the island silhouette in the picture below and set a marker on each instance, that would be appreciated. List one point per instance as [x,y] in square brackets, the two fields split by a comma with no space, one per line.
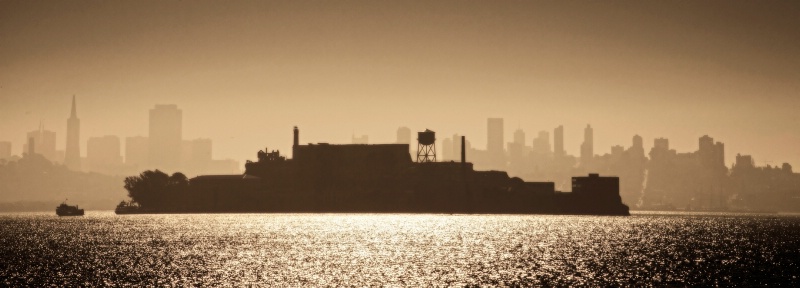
[361,178]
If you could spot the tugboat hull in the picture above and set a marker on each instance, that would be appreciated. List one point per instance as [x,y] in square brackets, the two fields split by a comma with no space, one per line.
[78,213]
[66,210]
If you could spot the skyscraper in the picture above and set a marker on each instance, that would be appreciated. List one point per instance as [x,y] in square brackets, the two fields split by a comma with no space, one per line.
[456,147]
[637,148]
[587,148]
[403,135]
[519,137]
[541,144]
[711,154]
[494,145]
[638,142]
[72,156]
[661,144]
[166,124]
[44,143]
[447,149]
[558,141]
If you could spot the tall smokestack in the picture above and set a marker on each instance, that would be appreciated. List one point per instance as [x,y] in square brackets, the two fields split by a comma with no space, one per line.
[296,137]
[463,149]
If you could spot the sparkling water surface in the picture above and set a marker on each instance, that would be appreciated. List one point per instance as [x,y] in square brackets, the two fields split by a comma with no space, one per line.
[293,250]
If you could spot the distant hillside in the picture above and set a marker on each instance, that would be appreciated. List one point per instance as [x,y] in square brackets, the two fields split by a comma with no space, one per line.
[33,183]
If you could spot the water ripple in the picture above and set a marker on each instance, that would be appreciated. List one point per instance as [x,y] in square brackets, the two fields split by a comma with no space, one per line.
[290,250]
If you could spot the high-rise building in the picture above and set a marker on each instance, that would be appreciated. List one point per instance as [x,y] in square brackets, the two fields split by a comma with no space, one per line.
[719,155]
[638,142]
[711,154]
[103,154]
[72,156]
[5,150]
[637,148]
[519,137]
[136,151]
[744,162]
[541,144]
[44,143]
[403,135]
[587,148]
[706,144]
[166,125]
[447,149]
[558,141]
[661,144]
[456,147]
[494,146]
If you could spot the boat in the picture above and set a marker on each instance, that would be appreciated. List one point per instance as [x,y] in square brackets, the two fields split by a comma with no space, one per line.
[128,207]
[66,210]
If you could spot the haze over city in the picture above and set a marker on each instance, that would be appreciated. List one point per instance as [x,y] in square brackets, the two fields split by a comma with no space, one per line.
[401,143]
[245,72]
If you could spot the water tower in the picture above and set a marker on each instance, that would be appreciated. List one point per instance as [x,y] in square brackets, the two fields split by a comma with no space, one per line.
[426,147]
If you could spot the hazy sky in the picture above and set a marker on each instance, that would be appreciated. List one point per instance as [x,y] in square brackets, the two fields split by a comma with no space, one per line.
[245,72]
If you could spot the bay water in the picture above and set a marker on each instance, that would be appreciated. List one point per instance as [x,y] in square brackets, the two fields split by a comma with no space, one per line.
[303,250]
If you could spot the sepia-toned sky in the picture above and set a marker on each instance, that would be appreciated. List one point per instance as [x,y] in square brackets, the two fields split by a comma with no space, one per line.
[245,72]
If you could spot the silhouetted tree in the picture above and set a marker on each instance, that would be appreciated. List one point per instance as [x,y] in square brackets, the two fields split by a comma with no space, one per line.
[178,179]
[146,188]
[156,189]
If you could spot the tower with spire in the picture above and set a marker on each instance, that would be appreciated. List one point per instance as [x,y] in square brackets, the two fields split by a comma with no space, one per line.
[72,156]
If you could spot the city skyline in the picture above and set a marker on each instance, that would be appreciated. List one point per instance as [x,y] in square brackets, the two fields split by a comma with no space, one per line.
[410,143]
[734,74]
[495,130]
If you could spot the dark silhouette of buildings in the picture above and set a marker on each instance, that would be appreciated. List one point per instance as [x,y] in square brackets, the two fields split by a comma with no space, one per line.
[369,178]
[72,154]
